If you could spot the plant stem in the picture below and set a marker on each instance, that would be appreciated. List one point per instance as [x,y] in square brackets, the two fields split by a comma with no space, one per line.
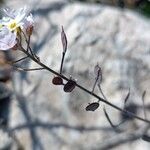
[16,61]
[83,88]
[62,61]
[25,69]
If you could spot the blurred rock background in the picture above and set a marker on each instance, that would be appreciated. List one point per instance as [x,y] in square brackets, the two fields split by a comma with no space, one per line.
[40,116]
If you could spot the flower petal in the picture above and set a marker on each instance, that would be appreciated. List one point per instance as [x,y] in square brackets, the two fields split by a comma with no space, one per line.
[28,22]
[7,39]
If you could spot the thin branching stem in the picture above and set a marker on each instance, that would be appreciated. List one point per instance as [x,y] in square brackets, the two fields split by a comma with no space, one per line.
[94,85]
[83,88]
[143,100]
[101,91]
[28,43]
[62,61]
[26,69]
[16,61]
[110,122]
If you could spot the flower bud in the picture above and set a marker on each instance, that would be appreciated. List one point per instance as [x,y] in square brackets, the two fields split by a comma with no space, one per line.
[29,30]
[15,47]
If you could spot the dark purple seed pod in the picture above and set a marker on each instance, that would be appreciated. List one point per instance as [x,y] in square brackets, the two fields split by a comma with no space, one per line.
[57,81]
[69,86]
[92,107]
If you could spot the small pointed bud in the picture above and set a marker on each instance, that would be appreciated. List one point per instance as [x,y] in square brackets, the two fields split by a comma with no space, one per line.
[69,86]
[15,47]
[92,107]
[57,81]
[29,30]
[127,97]
[98,73]
[97,70]
[64,40]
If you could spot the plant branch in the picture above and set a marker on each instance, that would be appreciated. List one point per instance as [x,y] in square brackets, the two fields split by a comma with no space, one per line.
[26,69]
[13,62]
[62,61]
[83,88]
[101,91]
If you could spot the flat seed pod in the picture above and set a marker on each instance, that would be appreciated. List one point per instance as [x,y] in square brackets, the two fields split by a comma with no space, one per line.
[98,74]
[69,86]
[57,81]
[146,138]
[97,70]
[92,107]
[64,40]
[127,97]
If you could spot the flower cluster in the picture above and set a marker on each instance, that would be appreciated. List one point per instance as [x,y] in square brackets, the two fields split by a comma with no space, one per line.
[12,24]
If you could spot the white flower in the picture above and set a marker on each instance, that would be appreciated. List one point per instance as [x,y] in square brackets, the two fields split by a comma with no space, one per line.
[15,19]
[7,39]
[12,24]
[28,22]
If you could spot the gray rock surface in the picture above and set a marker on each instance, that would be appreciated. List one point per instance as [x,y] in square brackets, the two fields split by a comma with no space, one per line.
[43,116]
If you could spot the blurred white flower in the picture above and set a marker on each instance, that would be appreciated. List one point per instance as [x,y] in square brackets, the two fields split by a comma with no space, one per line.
[17,19]
[7,39]
[28,22]
[12,24]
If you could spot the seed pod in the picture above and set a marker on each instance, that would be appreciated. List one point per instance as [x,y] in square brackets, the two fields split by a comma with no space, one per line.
[57,81]
[92,107]
[64,40]
[69,86]
[97,70]
[98,74]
